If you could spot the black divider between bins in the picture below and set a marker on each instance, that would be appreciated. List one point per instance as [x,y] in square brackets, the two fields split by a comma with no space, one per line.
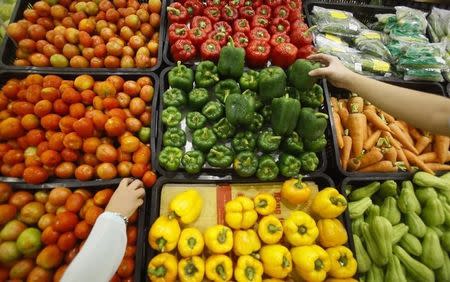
[157,135]
[153,210]
[8,47]
[54,182]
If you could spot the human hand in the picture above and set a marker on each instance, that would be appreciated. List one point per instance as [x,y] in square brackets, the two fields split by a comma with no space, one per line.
[335,72]
[127,197]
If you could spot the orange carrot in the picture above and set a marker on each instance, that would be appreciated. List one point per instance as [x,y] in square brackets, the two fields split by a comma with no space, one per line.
[343,114]
[369,131]
[345,156]
[339,129]
[422,143]
[387,117]
[428,149]
[390,154]
[401,137]
[370,107]
[438,166]
[355,104]
[387,135]
[376,120]
[381,166]
[371,157]
[441,144]
[356,125]
[353,164]
[402,158]
[372,140]
[334,104]
[412,158]
[414,132]
[430,157]
[404,128]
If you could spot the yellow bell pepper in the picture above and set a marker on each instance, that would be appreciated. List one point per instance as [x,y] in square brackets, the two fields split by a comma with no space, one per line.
[328,203]
[341,280]
[300,229]
[245,242]
[164,233]
[186,206]
[191,269]
[219,239]
[270,229]
[191,242]
[248,269]
[277,260]
[343,264]
[265,203]
[311,262]
[332,232]
[219,268]
[295,191]
[162,268]
[240,213]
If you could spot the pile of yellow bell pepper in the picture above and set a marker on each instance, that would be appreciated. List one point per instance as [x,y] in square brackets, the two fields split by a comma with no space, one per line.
[254,244]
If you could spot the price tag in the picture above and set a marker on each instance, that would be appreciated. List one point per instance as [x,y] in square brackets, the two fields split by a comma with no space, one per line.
[381,66]
[333,38]
[358,67]
[338,15]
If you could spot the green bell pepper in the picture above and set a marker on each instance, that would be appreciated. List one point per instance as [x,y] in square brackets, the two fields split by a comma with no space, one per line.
[257,123]
[316,145]
[174,97]
[309,161]
[293,92]
[231,61]
[171,116]
[220,156]
[268,141]
[170,158]
[298,74]
[213,110]
[195,120]
[198,98]
[312,98]
[249,80]
[289,165]
[223,129]
[239,109]
[244,141]
[203,139]
[206,74]
[193,161]
[311,124]
[226,87]
[174,137]
[266,112]
[258,102]
[181,77]
[293,144]
[245,163]
[267,168]
[272,83]
[285,112]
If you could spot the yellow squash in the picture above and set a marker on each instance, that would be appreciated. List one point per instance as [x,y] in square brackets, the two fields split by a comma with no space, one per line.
[245,242]
[219,268]
[300,229]
[332,233]
[191,269]
[162,268]
[219,239]
[343,264]
[164,233]
[328,203]
[311,262]
[295,191]
[265,203]
[191,242]
[270,229]
[277,260]
[240,213]
[186,206]
[248,269]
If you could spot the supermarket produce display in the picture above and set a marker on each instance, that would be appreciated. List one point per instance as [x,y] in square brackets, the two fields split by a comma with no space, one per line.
[6,9]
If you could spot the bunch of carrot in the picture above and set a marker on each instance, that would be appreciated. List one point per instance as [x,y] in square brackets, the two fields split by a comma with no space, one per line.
[371,140]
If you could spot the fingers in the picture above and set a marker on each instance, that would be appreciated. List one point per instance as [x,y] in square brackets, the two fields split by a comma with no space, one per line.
[323,58]
[140,192]
[139,203]
[320,72]
[136,184]
[124,182]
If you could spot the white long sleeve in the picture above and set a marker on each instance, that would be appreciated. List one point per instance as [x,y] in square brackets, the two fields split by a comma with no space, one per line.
[102,252]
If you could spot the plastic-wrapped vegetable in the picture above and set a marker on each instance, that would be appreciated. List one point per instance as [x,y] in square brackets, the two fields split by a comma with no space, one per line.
[336,22]
[375,65]
[423,56]
[424,74]
[370,42]
[414,20]
[324,40]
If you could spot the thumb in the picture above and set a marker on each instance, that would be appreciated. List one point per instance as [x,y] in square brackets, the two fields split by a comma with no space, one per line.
[319,72]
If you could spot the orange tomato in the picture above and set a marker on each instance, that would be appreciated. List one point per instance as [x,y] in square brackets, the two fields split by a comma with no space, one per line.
[65,221]
[65,170]
[106,153]
[56,141]
[129,144]
[35,175]
[149,179]
[50,121]
[102,197]
[82,230]
[84,172]
[106,171]
[74,202]
[115,126]
[84,127]
[67,241]
[73,141]
[92,213]
[43,108]
[58,196]
[90,144]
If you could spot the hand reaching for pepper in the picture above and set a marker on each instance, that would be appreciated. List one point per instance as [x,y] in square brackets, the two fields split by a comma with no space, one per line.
[127,197]
[335,71]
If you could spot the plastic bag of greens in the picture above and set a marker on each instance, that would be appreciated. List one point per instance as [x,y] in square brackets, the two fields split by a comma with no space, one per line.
[367,34]
[372,43]
[427,56]
[336,22]
[424,75]
[325,40]
[407,36]
[384,22]
[414,20]
[439,24]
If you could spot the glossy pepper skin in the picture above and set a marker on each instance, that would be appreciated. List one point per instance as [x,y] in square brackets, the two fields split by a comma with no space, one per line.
[300,229]
[267,168]
[343,264]
[258,53]
[258,102]
[162,267]
[198,97]
[311,125]
[312,98]
[293,144]
[268,141]
[248,269]
[193,161]
[210,50]
[295,191]
[270,229]
[311,262]
[203,139]
[298,74]
[212,13]
[195,120]
[315,145]
[240,39]
[202,22]
[249,80]
[244,141]
[332,233]
[197,36]
[260,21]
[284,54]
[277,260]
[191,242]
[206,74]
[240,213]
[177,13]
[265,203]
[174,97]
[289,165]
[226,87]
[264,10]
[257,123]
[223,129]
[309,161]
[245,242]
[245,163]
[170,158]
[241,25]
[220,156]
[219,268]
[193,7]
[280,25]
[239,109]
[171,116]
[213,110]
[177,31]
[181,77]
[272,83]
[219,239]
[328,203]
[231,61]
[183,50]
[174,137]
[164,234]
[191,269]
[229,13]
[285,112]
[186,206]
[266,112]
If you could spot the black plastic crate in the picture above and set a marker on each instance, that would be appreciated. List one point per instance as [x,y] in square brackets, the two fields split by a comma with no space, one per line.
[153,209]
[158,130]
[54,182]
[418,4]
[8,47]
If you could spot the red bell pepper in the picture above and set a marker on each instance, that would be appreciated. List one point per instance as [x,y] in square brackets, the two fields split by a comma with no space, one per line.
[177,13]
[240,40]
[212,13]
[281,11]
[223,27]
[257,53]
[299,25]
[193,7]
[295,15]
[218,36]
[202,22]
[177,31]
[210,50]
[284,55]
[293,4]
[260,21]
[246,12]
[183,50]
[229,13]
[295,7]
[259,33]
[241,25]
[301,38]
[305,51]
[215,3]
[264,10]
[280,25]
[279,38]
[254,3]
[236,3]
[197,36]
[274,3]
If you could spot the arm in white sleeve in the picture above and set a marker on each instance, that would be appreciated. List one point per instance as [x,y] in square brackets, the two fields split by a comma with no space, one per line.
[102,252]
